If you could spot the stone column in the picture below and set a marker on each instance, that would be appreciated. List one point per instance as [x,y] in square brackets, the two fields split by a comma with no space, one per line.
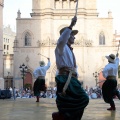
[1,45]
[36,6]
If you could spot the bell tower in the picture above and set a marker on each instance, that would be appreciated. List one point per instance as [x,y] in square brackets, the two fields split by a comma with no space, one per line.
[41,7]
[1,45]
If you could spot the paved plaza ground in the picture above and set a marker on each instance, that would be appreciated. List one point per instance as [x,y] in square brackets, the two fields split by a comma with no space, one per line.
[28,109]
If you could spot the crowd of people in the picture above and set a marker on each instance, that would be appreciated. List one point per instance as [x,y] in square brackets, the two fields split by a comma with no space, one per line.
[27,93]
[93,93]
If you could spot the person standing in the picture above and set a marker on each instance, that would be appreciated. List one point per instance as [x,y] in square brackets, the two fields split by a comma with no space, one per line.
[109,88]
[40,73]
[70,103]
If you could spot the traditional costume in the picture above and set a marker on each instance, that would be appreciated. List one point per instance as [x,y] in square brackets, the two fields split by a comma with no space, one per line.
[40,73]
[70,104]
[109,88]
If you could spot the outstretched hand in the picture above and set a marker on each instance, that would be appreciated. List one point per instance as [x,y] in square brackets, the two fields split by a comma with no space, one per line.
[73,22]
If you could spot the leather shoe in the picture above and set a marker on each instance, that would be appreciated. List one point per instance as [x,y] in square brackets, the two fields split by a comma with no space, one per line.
[58,116]
[112,108]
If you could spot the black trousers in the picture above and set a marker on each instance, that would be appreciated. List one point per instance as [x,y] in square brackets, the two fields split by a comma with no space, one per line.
[39,85]
[109,90]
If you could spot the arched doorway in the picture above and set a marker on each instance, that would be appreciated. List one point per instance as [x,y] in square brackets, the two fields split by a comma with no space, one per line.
[8,82]
[28,80]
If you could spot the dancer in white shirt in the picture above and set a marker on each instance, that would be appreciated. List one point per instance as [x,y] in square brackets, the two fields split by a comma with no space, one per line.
[71,98]
[109,88]
[40,73]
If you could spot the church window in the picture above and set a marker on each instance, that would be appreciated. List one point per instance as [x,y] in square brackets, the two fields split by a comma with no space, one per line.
[7,47]
[27,39]
[57,5]
[65,4]
[102,39]
[4,47]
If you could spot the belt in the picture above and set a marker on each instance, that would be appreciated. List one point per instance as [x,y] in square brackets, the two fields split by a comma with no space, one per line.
[66,71]
[111,77]
[70,73]
[41,77]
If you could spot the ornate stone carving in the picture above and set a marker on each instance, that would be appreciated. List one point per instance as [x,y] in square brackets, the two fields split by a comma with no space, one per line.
[27,59]
[88,43]
[48,42]
[83,42]
[53,42]
[38,43]
[78,42]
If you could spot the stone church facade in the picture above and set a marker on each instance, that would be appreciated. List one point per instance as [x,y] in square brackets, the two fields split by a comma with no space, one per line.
[39,34]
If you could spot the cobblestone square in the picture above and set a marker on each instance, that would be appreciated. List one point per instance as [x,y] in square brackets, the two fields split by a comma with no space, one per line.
[28,109]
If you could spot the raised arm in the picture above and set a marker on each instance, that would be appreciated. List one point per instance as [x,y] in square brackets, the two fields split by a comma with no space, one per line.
[117,60]
[48,64]
[63,39]
[65,35]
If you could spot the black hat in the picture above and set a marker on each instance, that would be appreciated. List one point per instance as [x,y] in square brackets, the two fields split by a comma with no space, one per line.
[111,58]
[74,32]
[42,63]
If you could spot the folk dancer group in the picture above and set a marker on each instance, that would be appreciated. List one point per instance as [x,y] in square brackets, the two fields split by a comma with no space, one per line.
[71,98]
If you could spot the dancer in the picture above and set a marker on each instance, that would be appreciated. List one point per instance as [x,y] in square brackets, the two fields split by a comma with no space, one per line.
[40,73]
[71,98]
[109,88]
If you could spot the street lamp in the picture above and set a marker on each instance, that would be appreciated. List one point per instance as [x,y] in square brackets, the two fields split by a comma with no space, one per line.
[23,70]
[96,74]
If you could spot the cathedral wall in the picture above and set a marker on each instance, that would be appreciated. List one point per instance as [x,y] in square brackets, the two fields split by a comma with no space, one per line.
[30,26]
[89,30]
[1,39]
[90,4]
[93,27]
[90,60]
[1,45]
[44,30]
[38,5]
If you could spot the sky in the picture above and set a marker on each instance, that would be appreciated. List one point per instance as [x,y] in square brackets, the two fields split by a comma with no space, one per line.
[25,6]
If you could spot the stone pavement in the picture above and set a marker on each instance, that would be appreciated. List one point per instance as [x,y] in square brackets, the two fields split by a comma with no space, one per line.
[28,109]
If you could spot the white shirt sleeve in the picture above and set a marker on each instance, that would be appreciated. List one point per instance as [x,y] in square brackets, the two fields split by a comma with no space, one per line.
[63,40]
[117,61]
[35,73]
[48,65]
[105,72]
